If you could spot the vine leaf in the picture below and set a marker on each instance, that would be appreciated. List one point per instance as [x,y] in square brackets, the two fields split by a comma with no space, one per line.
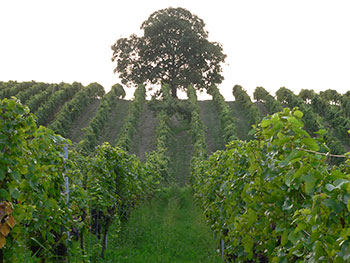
[11,221]
[4,229]
[2,241]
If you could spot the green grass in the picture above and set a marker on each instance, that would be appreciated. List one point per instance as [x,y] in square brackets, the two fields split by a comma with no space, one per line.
[168,228]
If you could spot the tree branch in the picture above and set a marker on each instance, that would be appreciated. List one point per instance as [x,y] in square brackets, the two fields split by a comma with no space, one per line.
[324,154]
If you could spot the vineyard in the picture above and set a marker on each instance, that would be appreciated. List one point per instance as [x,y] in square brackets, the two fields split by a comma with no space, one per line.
[270,176]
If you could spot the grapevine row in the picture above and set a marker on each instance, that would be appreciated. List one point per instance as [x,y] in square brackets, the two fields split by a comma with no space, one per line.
[158,160]
[272,105]
[312,121]
[200,148]
[131,122]
[12,88]
[275,199]
[228,125]
[27,93]
[331,108]
[35,101]
[64,120]
[248,107]
[37,218]
[47,111]
[96,125]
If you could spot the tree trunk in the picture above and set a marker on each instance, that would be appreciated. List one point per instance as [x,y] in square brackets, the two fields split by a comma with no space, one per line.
[104,239]
[108,222]
[82,235]
[174,91]
[82,242]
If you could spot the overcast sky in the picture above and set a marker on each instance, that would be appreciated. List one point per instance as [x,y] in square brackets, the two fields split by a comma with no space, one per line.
[299,44]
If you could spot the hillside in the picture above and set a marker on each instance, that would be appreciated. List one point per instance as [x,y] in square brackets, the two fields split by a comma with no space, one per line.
[171,188]
[43,97]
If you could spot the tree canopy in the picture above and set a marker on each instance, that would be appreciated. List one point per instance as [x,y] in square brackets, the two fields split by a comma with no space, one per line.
[174,49]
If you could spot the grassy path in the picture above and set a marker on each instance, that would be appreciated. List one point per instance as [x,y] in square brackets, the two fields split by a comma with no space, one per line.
[180,152]
[169,228]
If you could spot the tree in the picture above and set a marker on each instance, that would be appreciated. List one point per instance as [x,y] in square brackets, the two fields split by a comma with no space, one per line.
[174,49]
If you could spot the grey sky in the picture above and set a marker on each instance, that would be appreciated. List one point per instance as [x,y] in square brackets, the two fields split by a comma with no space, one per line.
[296,44]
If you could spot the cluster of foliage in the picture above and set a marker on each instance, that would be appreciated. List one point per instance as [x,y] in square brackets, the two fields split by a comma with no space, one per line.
[331,96]
[170,105]
[174,49]
[132,120]
[47,111]
[307,95]
[313,122]
[104,187]
[70,112]
[288,98]
[275,198]
[332,107]
[272,105]
[30,178]
[227,122]
[247,106]
[92,132]
[119,91]
[345,104]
